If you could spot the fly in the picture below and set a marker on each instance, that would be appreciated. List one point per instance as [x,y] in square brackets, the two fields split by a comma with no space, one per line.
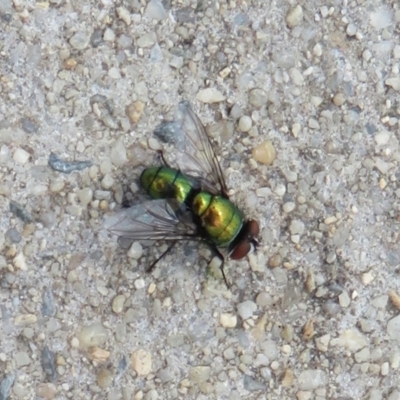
[189,197]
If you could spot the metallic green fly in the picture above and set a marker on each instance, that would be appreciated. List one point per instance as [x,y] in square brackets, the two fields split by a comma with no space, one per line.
[189,197]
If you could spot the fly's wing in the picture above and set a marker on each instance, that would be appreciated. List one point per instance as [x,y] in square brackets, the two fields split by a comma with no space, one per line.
[194,152]
[152,220]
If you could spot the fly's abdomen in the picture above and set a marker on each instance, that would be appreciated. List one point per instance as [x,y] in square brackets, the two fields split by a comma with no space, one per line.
[220,218]
[164,183]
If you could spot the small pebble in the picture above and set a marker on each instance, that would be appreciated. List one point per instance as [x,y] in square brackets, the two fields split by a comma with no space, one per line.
[351,30]
[393,83]
[228,320]
[118,153]
[124,15]
[339,99]
[135,251]
[311,379]
[199,374]
[245,123]
[210,95]
[258,98]
[19,262]
[246,309]
[344,299]
[98,354]
[367,278]
[79,41]
[118,303]
[147,40]
[134,111]
[296,227]
[21,156]
[155,10]
[141,362]
[104,378]
[107,182]
[85,196]
[352,339]
[295,16]
[288,207]
[393,328]
[264,153]
[92,335]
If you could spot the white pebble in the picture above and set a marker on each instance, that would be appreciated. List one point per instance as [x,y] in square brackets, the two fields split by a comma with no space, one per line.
[245,123]
[394,83]
[124,15]
[296,76]
[382,138]
[351,30]
[155,10]
[288,207]
[210,95]
[19,262]
[118,153]
[21,156]
[107,182]
[246,309]
[135,251]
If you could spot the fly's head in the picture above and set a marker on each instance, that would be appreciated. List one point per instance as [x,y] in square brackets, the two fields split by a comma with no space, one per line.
[247,242]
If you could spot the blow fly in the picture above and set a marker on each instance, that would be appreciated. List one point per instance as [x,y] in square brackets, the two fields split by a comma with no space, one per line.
[189,197]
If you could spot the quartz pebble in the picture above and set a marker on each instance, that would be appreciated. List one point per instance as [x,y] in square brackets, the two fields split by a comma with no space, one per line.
[311,379]
[210,95]
[352,339]
[92,335]
[155,10]
[79,41]
[135,251]
[393,328]
[245,123]
[21,156]
[246,309]
[257,98]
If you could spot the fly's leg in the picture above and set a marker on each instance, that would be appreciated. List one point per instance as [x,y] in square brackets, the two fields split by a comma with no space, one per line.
[222,258]
[161,155]
[154,263]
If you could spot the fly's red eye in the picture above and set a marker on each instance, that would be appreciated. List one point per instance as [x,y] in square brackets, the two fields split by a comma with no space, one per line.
[254,229]
[240,251]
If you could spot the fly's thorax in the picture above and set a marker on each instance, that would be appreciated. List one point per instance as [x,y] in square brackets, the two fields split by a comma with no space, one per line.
[163,182]
[219,217]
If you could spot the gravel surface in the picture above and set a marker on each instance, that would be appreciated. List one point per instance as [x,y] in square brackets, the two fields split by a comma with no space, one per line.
[302,102]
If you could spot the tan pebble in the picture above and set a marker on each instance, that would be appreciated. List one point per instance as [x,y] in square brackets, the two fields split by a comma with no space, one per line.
[310,281]
[28,230]
[225,72]
[308,330]
[152,288]
[103,205]
[258,331]
[265,153]
[134,111]
[139,395]
[118,303]
[141,362]
[382,183]
[287,333]
[46,391]
[339,99]
[70,63]
[394,298]
[104,378]
[330,220]
[287,379]
[295,16]
[25,319]
[98,354]
[275,261]
[228,320]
